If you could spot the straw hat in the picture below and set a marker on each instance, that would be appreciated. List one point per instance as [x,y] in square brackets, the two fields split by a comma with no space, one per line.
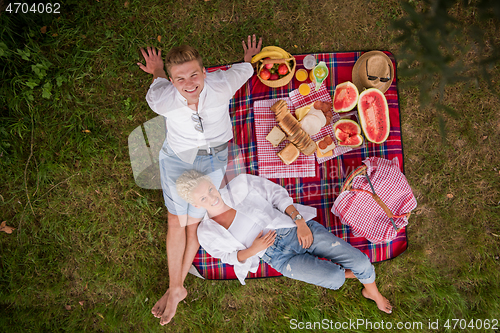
[376,65]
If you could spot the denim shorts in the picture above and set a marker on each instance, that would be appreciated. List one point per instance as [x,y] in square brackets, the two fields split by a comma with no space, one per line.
[171,167]
[288,257]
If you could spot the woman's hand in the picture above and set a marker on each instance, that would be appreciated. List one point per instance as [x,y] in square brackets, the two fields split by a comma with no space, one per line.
[304,234]
[263,242]
[252,49]
[260,243]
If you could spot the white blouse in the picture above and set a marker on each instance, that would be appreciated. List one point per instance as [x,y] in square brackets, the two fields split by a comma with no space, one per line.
[213,108]
[253,196]
[245,230]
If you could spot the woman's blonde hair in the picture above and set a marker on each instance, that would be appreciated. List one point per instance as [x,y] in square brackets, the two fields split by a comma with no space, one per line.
[181,54]
[188,181]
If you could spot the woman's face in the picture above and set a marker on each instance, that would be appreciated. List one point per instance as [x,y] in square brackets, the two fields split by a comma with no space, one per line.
[206,195]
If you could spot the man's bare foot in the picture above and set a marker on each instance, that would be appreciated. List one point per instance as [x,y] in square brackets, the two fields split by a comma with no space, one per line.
[174,297]
[159,307]
[382,303]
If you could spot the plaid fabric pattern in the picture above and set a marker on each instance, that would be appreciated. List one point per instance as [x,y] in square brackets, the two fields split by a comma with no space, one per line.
[270,165]
[321,189]
[360,211]
[322,95]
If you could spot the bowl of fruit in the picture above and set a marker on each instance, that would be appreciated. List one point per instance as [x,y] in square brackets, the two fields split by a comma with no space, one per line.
[275,67]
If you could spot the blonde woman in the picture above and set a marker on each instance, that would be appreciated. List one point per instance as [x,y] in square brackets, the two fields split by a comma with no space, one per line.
[253,218]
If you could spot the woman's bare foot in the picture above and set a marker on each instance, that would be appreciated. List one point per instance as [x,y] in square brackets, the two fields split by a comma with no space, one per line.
[173,299]
[159,307]
[382,303]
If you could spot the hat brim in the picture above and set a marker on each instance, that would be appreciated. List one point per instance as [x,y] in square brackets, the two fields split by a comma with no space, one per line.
[360,63]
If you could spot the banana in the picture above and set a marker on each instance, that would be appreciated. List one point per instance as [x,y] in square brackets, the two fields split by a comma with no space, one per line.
[267,54]
[276,48]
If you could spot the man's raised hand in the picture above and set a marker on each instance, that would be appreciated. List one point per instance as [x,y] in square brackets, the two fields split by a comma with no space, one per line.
[252,49]
[154,63]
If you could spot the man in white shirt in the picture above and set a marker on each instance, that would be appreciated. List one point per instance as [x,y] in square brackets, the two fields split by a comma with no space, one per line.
[195,105]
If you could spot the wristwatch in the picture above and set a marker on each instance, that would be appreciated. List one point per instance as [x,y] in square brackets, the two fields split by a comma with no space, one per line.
[297,217]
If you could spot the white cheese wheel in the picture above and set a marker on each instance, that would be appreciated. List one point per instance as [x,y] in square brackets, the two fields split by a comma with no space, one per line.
[311,124]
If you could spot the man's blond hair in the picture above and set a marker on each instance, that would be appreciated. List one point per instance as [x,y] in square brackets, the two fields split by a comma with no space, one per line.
[181,54]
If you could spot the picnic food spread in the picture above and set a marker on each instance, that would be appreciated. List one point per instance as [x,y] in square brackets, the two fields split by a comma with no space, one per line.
[275,64]
[308,121]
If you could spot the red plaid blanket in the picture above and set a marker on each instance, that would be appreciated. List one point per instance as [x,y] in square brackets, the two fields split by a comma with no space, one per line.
[322,186]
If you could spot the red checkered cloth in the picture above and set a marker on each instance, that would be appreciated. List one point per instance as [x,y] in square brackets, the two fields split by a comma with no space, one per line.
[362,213]
[321,190]
[323,95]
[270,165]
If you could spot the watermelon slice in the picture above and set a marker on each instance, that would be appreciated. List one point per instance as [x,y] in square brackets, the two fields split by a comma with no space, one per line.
[352,141]
[341,135]
[348,133]
[345,97]
[374,115]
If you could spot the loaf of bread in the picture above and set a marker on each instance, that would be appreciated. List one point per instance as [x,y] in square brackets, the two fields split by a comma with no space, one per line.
[291,127]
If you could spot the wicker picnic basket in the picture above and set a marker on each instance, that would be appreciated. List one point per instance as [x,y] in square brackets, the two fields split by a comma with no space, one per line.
[285,79]
[361,171]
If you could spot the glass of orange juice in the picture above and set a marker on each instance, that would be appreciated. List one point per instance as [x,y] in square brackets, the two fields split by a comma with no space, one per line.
[304,89]
[301,75]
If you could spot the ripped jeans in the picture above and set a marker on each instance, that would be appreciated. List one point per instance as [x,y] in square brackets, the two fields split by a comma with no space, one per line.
[288,257]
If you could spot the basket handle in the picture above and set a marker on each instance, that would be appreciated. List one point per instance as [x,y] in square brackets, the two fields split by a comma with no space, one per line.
[382,205]
[275,61]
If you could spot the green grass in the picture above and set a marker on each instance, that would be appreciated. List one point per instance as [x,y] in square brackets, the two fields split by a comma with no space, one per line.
[89,252]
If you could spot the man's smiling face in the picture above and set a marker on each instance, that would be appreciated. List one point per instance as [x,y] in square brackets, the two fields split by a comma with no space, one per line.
[189,79]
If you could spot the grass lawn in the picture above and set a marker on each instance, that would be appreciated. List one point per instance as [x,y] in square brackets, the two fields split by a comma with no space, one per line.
[88,252]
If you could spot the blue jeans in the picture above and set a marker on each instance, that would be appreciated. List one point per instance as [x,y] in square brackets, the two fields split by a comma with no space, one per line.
[171,167]
[288,257]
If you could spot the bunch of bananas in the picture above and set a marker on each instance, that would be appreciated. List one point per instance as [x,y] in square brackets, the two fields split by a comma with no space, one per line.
[272,52]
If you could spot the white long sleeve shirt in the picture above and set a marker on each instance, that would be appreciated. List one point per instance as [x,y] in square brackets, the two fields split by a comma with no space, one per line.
[253,196]
[213,107]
